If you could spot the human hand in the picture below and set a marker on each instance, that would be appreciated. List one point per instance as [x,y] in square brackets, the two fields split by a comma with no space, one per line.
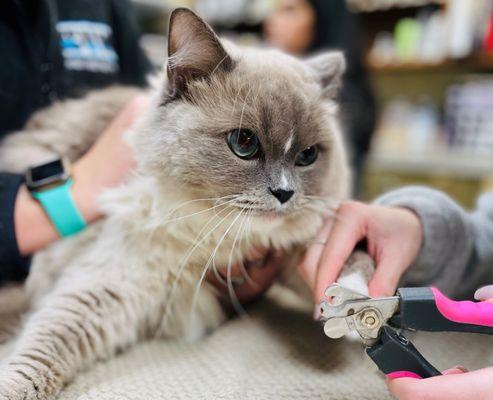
[394,237]
[455,384]
[107,162]
[250,279]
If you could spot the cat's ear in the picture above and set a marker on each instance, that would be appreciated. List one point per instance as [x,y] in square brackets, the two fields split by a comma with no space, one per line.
[328,68]
[194,50]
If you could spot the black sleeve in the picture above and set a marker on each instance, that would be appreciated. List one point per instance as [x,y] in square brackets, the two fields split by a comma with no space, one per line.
[13,267]
[357,100]
[342,29]
[134,64]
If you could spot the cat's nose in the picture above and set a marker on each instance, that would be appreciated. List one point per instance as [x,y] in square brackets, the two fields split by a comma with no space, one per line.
[282,195]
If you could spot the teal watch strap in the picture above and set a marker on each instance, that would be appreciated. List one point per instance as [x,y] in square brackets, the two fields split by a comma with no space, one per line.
[61,209]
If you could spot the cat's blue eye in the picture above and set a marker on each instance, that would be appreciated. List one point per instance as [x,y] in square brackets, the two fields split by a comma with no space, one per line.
[307,156]
[244,143]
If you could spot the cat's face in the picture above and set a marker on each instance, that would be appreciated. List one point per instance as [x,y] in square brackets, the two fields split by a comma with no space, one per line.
[254,127]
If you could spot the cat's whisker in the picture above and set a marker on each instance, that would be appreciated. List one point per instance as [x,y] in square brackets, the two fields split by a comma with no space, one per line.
[156,223]
[331,200]
[240,88]
[235,302]
[181,217]
[181,205]
[247,229]
[237,236]
[319,210]
[193,246]
[206,269]
[233,298]
[243,108]
[183,264]
[211,260]
[214,267]
[319,204]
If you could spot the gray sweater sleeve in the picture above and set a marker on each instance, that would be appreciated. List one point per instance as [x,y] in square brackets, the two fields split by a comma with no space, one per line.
[457,250]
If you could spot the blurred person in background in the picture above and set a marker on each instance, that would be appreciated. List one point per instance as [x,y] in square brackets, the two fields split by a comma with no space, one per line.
[304,27]
[54,50]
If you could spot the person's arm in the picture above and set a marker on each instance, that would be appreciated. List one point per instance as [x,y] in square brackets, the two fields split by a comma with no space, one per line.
[456,253]
[24,226]
[32,227]
[416,232]
[12,265]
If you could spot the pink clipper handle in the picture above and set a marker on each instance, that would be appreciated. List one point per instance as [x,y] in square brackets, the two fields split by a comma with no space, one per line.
[403,374]
[464,312]
[427,309]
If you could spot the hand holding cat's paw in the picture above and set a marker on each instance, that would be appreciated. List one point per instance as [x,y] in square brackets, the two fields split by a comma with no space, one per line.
[393,236]
[251,279]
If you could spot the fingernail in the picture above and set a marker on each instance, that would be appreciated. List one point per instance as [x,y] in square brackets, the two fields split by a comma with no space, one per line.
[453,370]
[484,293]
[317,313]
[237,280]
[462,368]
[260,263]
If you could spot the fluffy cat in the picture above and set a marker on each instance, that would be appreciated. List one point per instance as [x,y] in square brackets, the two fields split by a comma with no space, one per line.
[240,149]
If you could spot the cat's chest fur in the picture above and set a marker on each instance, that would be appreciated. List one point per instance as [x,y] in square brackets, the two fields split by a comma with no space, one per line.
[166,244]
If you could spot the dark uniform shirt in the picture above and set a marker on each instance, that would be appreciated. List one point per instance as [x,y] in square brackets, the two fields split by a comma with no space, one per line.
[52,50]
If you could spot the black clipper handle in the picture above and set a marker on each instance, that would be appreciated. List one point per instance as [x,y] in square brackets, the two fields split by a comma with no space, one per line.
[396,357]
[427,309]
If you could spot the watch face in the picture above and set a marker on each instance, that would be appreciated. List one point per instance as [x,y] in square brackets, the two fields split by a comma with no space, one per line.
[46,175]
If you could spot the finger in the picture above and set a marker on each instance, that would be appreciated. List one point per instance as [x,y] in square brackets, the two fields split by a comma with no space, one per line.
[342,240]
[484,293]
[260,279]
[311,258]
[386,277]
[460,386]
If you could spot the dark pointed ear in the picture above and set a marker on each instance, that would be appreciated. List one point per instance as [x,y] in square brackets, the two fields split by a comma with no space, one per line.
[328,68]
[194,51]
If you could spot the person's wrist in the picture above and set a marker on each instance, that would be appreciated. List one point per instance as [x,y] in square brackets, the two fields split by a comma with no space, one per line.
[415,229]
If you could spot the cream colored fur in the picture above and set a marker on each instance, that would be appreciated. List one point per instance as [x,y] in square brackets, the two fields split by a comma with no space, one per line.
[136,274]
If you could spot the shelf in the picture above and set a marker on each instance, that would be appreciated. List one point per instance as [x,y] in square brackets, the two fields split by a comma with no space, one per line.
[412,66]
[457,163]
[365,6]
[163,6]
[480,62]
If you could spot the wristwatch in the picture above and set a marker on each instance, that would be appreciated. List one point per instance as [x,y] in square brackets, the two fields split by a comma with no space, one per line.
[50,185]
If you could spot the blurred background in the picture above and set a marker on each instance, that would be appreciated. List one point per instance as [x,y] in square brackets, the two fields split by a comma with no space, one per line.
[417,101]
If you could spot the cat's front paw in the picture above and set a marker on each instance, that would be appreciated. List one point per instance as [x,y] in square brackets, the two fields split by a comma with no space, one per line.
[357,272]
[15,386]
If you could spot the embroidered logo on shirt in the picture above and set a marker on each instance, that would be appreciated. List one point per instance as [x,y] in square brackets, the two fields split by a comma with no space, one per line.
[86,46]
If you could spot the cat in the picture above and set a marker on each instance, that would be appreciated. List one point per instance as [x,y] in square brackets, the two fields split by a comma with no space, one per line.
[239,149]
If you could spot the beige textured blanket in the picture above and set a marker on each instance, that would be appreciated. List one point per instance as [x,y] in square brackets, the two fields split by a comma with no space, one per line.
[278,353]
